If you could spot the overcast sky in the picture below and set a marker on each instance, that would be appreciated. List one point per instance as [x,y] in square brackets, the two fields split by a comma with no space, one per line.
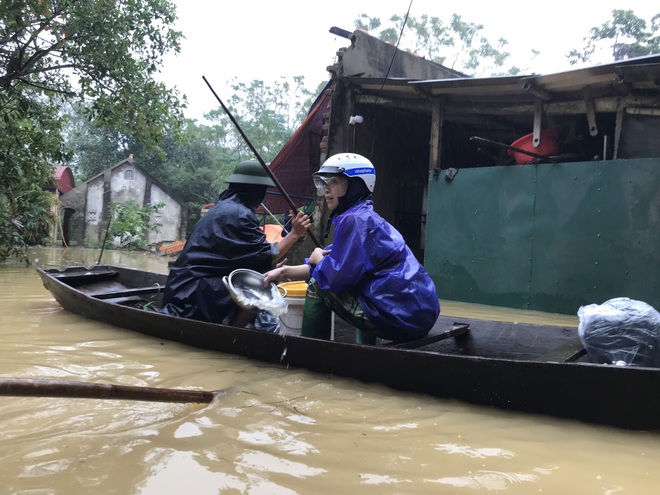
[261,39]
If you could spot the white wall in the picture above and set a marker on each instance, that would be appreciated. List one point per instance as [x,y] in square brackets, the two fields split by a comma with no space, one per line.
[128,183]
[94,212]
[170,217]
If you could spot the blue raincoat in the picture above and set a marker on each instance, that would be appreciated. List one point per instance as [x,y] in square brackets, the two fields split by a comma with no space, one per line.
[370,259]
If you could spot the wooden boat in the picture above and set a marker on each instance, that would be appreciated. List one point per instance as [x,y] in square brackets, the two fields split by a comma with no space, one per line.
[520,367]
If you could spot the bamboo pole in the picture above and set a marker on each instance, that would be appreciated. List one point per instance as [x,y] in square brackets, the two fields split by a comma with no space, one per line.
[261,161]
[24,387]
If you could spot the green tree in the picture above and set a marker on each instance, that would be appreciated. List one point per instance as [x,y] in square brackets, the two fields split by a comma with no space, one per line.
[267,113]
[456,44]
[93,147]
[192,164]
[627,35]
[101,51]
[195,162]
[24,221]
[130,223]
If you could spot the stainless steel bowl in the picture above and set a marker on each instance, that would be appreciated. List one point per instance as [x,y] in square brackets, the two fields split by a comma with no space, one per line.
[246,288]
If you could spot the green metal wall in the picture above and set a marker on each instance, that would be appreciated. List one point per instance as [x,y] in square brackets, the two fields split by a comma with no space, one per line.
[548,237]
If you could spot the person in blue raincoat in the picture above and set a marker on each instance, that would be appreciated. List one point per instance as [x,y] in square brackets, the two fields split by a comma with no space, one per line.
[368,275]
[228,237]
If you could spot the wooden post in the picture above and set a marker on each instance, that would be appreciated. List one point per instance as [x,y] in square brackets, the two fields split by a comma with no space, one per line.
[19,387]
[435,146]
[436,135]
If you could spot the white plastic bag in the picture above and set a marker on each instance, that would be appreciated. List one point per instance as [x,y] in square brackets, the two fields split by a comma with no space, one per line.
[621,331]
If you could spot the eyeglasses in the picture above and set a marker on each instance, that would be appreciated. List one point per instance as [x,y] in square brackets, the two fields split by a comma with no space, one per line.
[321,182]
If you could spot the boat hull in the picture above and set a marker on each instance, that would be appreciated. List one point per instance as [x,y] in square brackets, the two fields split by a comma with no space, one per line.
[456,368]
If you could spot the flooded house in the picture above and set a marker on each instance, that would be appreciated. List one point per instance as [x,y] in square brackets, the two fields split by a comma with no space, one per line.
[539,192]
[86,207]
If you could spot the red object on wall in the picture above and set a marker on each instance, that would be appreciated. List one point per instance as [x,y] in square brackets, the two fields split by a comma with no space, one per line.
[548,146]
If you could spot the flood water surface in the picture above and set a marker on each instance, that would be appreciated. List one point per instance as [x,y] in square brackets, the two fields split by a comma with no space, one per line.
[275,431]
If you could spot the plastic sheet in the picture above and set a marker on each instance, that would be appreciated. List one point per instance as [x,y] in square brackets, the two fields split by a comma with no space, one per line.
[622,332]
[272,303]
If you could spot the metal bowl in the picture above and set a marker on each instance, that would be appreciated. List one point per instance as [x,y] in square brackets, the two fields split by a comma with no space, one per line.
[246,288]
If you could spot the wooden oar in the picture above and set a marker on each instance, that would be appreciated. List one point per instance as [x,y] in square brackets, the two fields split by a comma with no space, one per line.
[23,387]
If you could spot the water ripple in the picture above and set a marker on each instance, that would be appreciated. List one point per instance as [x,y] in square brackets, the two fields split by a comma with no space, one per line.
[260,462]
[489,480]
[480,453]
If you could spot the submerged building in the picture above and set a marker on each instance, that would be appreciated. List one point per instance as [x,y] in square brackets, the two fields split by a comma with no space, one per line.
[539,192]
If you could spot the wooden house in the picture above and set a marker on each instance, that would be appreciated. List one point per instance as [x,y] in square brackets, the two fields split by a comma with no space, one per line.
[578,223]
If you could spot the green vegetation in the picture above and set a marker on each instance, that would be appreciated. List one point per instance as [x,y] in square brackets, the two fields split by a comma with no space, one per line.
[194,162]
[77,88]
[104,53]
[457,44]
[627,36]
[130,224]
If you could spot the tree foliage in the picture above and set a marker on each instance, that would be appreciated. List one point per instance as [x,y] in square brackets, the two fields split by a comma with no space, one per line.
[24,220]
[627,35]
[92,147]
[267,114]
[130,224]
[194,163]
[193,167]
[104,52]
[457,44]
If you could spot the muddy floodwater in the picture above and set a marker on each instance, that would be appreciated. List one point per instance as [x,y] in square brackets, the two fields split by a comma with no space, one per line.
[276,430]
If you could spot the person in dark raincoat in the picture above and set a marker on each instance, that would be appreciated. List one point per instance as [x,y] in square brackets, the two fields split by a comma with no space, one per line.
[228,237]
[368,276]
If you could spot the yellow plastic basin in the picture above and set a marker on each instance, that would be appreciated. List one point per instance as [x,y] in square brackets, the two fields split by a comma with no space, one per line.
[295,289]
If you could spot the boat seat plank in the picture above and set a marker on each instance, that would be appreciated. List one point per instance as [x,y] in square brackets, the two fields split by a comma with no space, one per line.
[435,335]
[565,353]
[72,278]
[138,291]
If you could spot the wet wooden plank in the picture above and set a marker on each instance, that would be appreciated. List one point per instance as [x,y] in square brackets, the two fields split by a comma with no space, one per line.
[139,291]
[566,353]
[79,277]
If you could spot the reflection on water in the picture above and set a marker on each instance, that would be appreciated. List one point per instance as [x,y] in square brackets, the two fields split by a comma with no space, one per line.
[277,431]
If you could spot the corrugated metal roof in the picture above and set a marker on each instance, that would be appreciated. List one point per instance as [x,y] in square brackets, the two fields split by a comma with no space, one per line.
[634,75]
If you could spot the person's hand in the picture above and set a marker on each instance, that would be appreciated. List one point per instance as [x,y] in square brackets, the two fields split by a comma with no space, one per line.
[300,223]
[317,255]
[276,275]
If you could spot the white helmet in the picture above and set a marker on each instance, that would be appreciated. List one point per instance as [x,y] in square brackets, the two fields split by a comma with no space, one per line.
[350,165]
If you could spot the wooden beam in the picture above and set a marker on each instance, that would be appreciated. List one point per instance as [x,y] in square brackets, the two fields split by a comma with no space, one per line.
[591,111]
[436,134]
[76,277]
[617,128]
[536,91]
[138,291]
[538,121]
[565,353]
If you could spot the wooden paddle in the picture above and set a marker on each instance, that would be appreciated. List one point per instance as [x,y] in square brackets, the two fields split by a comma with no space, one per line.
[23,387]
